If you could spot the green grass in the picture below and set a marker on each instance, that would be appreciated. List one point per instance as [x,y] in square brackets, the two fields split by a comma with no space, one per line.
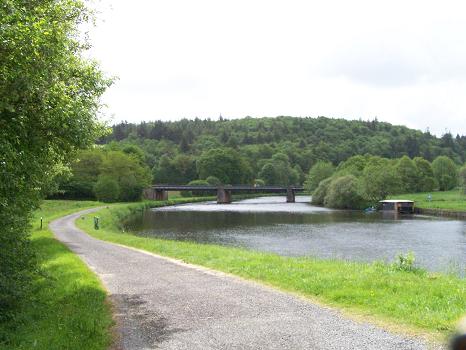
[448,200]
[421,301]
[68,308]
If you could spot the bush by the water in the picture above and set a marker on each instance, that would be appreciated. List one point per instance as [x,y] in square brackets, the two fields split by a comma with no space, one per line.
[375,178]
[344,193]
[320,192]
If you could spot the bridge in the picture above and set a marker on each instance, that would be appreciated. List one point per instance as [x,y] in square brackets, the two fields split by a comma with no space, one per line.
[224,193]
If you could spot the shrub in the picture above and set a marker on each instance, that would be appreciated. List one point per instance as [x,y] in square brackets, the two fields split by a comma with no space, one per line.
[320,192]
[213,181]
[344,193]
[320,171]
[107,189]
[405,262]
[445,173]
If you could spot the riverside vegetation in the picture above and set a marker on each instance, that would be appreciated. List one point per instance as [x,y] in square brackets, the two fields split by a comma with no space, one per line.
[66,307]
[397,293]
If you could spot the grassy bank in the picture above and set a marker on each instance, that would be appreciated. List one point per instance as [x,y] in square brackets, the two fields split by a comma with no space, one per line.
[68,307]
[418,300]
[447,200]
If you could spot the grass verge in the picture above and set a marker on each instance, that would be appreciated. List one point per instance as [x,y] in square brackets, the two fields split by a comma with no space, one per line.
[68,308]
[447,200]
[423,302]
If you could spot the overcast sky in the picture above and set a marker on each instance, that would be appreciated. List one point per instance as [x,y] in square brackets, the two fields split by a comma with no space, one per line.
[400,61]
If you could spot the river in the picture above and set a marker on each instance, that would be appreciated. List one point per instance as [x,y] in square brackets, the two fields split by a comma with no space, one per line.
[300,229]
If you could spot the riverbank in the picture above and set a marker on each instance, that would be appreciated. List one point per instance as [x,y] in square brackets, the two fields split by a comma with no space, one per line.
[447,203]
[422,302]
[67,308]
[446,200]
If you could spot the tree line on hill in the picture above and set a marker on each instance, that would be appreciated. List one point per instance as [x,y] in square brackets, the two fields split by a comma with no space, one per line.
[212,158]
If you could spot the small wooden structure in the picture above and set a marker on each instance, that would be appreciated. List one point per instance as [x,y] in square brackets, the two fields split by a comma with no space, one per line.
[403,206]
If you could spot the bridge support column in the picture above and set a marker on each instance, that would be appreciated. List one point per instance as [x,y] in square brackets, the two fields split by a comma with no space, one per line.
[223,196]
[149,193]
[161,195]
[290,195]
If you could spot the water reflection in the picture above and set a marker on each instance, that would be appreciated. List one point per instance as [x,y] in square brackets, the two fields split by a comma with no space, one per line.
[300,229]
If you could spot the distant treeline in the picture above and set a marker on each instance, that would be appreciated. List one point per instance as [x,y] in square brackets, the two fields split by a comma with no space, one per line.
[361,181]
[304,140]
[244,151]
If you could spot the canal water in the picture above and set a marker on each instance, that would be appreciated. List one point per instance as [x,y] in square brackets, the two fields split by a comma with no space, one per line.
[301,229]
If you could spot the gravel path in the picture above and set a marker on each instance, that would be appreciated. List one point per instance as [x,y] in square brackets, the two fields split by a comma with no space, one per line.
[164,304]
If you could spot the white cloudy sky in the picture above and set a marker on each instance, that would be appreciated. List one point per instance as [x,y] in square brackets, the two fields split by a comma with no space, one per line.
[401,61]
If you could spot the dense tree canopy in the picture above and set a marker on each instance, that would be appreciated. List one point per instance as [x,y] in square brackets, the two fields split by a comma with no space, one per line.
[320,171]
[445,173]
[49,98]
[225,164]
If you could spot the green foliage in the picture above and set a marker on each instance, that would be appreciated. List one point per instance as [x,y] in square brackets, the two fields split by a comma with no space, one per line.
[352,166]
[126,169]
[49,98]
[214,181]
[408,174]
[226,164]
[304,141]
[85,170]
[107,189]
[405,262]
[179,170]
[426,180]
[320,171]
[318,196]
[278,171]
[69,308]
[344,193]
[462,178]
[445,173]
[379,180]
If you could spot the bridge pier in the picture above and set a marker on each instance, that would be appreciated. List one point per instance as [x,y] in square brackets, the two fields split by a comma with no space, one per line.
[223,196]
[290,195]
[161,195]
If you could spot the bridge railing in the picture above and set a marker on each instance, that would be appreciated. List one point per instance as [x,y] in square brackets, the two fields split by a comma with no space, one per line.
[226,187]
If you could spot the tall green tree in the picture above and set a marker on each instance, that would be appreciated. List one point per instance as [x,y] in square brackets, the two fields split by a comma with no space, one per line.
[49,99]
[426,180]
[127,172]
[379,180]
[226,164]
[319,171]
[85,171]
[445,173]
[408,174]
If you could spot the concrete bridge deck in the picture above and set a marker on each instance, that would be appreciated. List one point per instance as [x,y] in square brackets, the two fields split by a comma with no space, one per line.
[224,193]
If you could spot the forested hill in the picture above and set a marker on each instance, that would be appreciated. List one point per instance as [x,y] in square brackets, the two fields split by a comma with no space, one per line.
[304,140]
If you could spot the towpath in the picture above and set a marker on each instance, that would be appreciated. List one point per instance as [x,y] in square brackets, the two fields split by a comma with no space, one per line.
[164,304]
